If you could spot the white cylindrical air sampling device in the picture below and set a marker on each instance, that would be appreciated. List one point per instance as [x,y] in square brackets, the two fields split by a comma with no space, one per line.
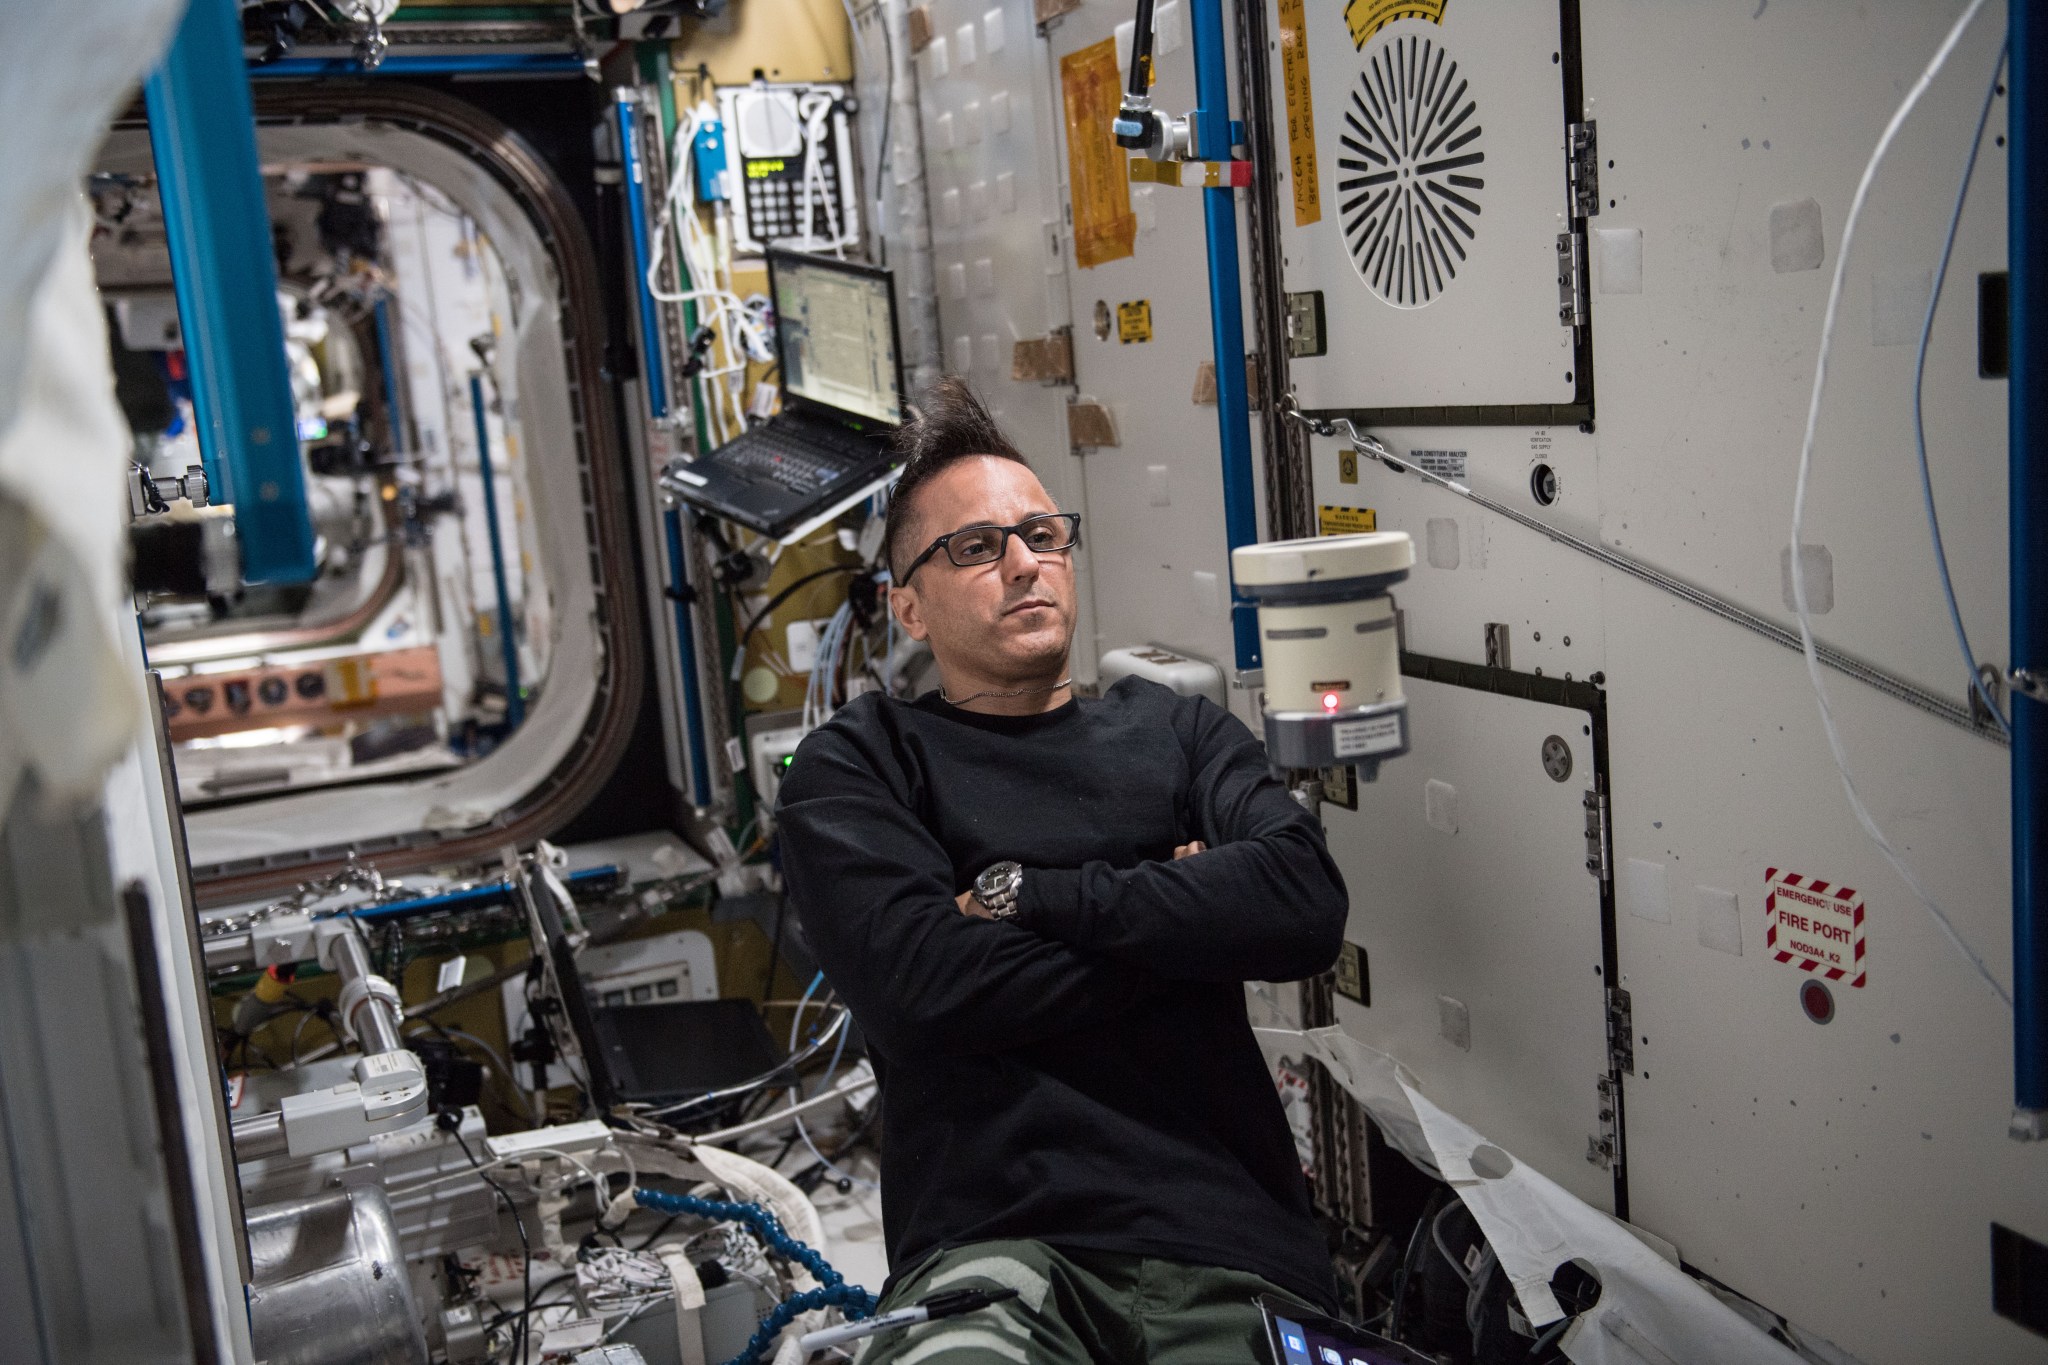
[1331,649]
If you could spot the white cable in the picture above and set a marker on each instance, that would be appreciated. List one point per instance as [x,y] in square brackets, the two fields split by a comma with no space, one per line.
[473,1172]
[816,111]
[796,1093]
[1799,601]
[1948,246]
[740,336]
[840,1091]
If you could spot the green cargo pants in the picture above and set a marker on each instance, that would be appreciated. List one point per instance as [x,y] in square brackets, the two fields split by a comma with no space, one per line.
[1079,1308]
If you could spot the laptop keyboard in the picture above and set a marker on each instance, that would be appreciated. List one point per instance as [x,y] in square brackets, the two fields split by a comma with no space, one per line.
[790,460]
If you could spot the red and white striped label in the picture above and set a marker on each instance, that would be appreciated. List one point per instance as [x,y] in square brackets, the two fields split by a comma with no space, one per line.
[1816,926]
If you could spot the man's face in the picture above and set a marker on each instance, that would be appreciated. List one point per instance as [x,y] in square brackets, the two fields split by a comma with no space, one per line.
[1012,619]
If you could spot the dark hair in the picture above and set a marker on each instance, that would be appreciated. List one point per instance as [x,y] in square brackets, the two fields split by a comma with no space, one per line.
[948,423]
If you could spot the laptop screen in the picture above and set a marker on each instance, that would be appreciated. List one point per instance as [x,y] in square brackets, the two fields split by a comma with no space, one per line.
[1302,1338]
[836,332]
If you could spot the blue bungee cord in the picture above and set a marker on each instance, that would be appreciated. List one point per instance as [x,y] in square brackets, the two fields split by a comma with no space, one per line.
[833,1291]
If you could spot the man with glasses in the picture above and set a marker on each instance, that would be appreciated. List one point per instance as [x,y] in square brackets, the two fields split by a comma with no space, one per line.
[1042,909]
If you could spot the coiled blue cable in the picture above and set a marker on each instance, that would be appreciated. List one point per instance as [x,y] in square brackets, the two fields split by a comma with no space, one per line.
[834,1291]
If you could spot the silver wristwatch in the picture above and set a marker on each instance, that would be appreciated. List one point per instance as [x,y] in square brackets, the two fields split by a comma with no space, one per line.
[996,888]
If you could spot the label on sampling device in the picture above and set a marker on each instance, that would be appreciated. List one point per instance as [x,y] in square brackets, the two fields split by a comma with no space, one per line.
[1371,735]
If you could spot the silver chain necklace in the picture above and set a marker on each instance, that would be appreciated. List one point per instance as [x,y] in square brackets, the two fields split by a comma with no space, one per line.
[1017,692]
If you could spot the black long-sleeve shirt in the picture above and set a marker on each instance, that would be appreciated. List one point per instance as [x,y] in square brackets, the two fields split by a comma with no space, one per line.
[1081,1073]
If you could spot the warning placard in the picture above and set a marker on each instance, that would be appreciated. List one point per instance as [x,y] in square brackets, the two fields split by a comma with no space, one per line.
[1367,17]
[1815,925]
[1345,521]
[1134,321]
[1105,228]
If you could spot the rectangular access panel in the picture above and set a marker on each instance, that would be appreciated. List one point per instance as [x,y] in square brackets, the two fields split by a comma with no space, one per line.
[1422,192]
[1481,925]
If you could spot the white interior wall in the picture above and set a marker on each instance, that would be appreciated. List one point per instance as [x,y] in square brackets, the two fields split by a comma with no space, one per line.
[1836,1175]
[993,170]
[1846,1174]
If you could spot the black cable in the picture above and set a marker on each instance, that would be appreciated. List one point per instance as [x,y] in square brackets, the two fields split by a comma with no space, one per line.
[540,1301]
[1141,51]
[888,109]
[1403,1280]
[788,591]
[775,946]
[783,1155]
[787,1068]
[656,1235]
[519,1333]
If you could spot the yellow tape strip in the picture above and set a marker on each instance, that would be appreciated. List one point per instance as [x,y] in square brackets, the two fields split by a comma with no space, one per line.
[1301,114]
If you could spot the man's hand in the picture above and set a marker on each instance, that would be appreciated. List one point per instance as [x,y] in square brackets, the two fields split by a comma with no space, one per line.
[1189,849]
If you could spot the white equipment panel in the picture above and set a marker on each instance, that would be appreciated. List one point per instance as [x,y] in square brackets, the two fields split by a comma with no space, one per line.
[791,174]
[1843,1174]
[1440,162]
[1480,925]
[1155,498]
[989,150]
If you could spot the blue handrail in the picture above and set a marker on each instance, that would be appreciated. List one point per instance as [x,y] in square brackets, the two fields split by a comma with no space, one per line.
[1212,128]
[453,64]
[651,369]
[202,130]
[2027,247]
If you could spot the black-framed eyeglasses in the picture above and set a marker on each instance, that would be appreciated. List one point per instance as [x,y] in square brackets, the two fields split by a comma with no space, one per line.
[1048,533]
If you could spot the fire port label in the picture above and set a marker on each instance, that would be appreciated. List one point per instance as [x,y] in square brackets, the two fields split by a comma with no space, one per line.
[1815,925]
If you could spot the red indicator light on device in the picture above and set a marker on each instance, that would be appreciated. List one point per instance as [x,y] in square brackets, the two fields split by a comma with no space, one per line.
[1329,701]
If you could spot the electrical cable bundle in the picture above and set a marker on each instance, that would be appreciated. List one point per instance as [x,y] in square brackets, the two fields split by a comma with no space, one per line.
[742,326]
[832,1291]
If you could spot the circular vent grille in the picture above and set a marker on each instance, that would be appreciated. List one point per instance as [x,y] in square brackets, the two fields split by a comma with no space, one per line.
[1410,199]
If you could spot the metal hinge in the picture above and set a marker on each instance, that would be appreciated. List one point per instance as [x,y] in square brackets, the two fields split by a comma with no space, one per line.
[1306,333]
[1621,1037]
[1582,168]
[1571,280]
[1604,1149]
[1599,841]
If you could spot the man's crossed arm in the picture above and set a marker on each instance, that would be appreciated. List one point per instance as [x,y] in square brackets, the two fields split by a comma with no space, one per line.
[874,890]
[1262,901]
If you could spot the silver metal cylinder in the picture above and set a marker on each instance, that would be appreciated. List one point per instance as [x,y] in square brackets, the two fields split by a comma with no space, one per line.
[330,1285]
[258,1136]
[373,1021]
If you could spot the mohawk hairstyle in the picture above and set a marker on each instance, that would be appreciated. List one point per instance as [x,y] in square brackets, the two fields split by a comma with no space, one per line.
[949,424]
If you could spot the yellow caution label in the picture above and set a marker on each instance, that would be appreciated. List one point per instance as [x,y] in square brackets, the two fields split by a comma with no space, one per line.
[1367,17]
[1345,521]
[1098,172]
[1134,321]
[1301,114]
[1347,466]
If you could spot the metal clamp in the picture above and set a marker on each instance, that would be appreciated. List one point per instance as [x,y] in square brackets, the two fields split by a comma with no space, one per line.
[359,991]
[2025,683]
[371,44]
[148,494]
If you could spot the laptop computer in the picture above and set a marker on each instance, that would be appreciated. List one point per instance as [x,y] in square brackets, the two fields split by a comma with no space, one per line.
[1299,1337]
[841,381]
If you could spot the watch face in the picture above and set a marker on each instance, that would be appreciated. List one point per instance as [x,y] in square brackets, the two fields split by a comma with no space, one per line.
[997,880]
